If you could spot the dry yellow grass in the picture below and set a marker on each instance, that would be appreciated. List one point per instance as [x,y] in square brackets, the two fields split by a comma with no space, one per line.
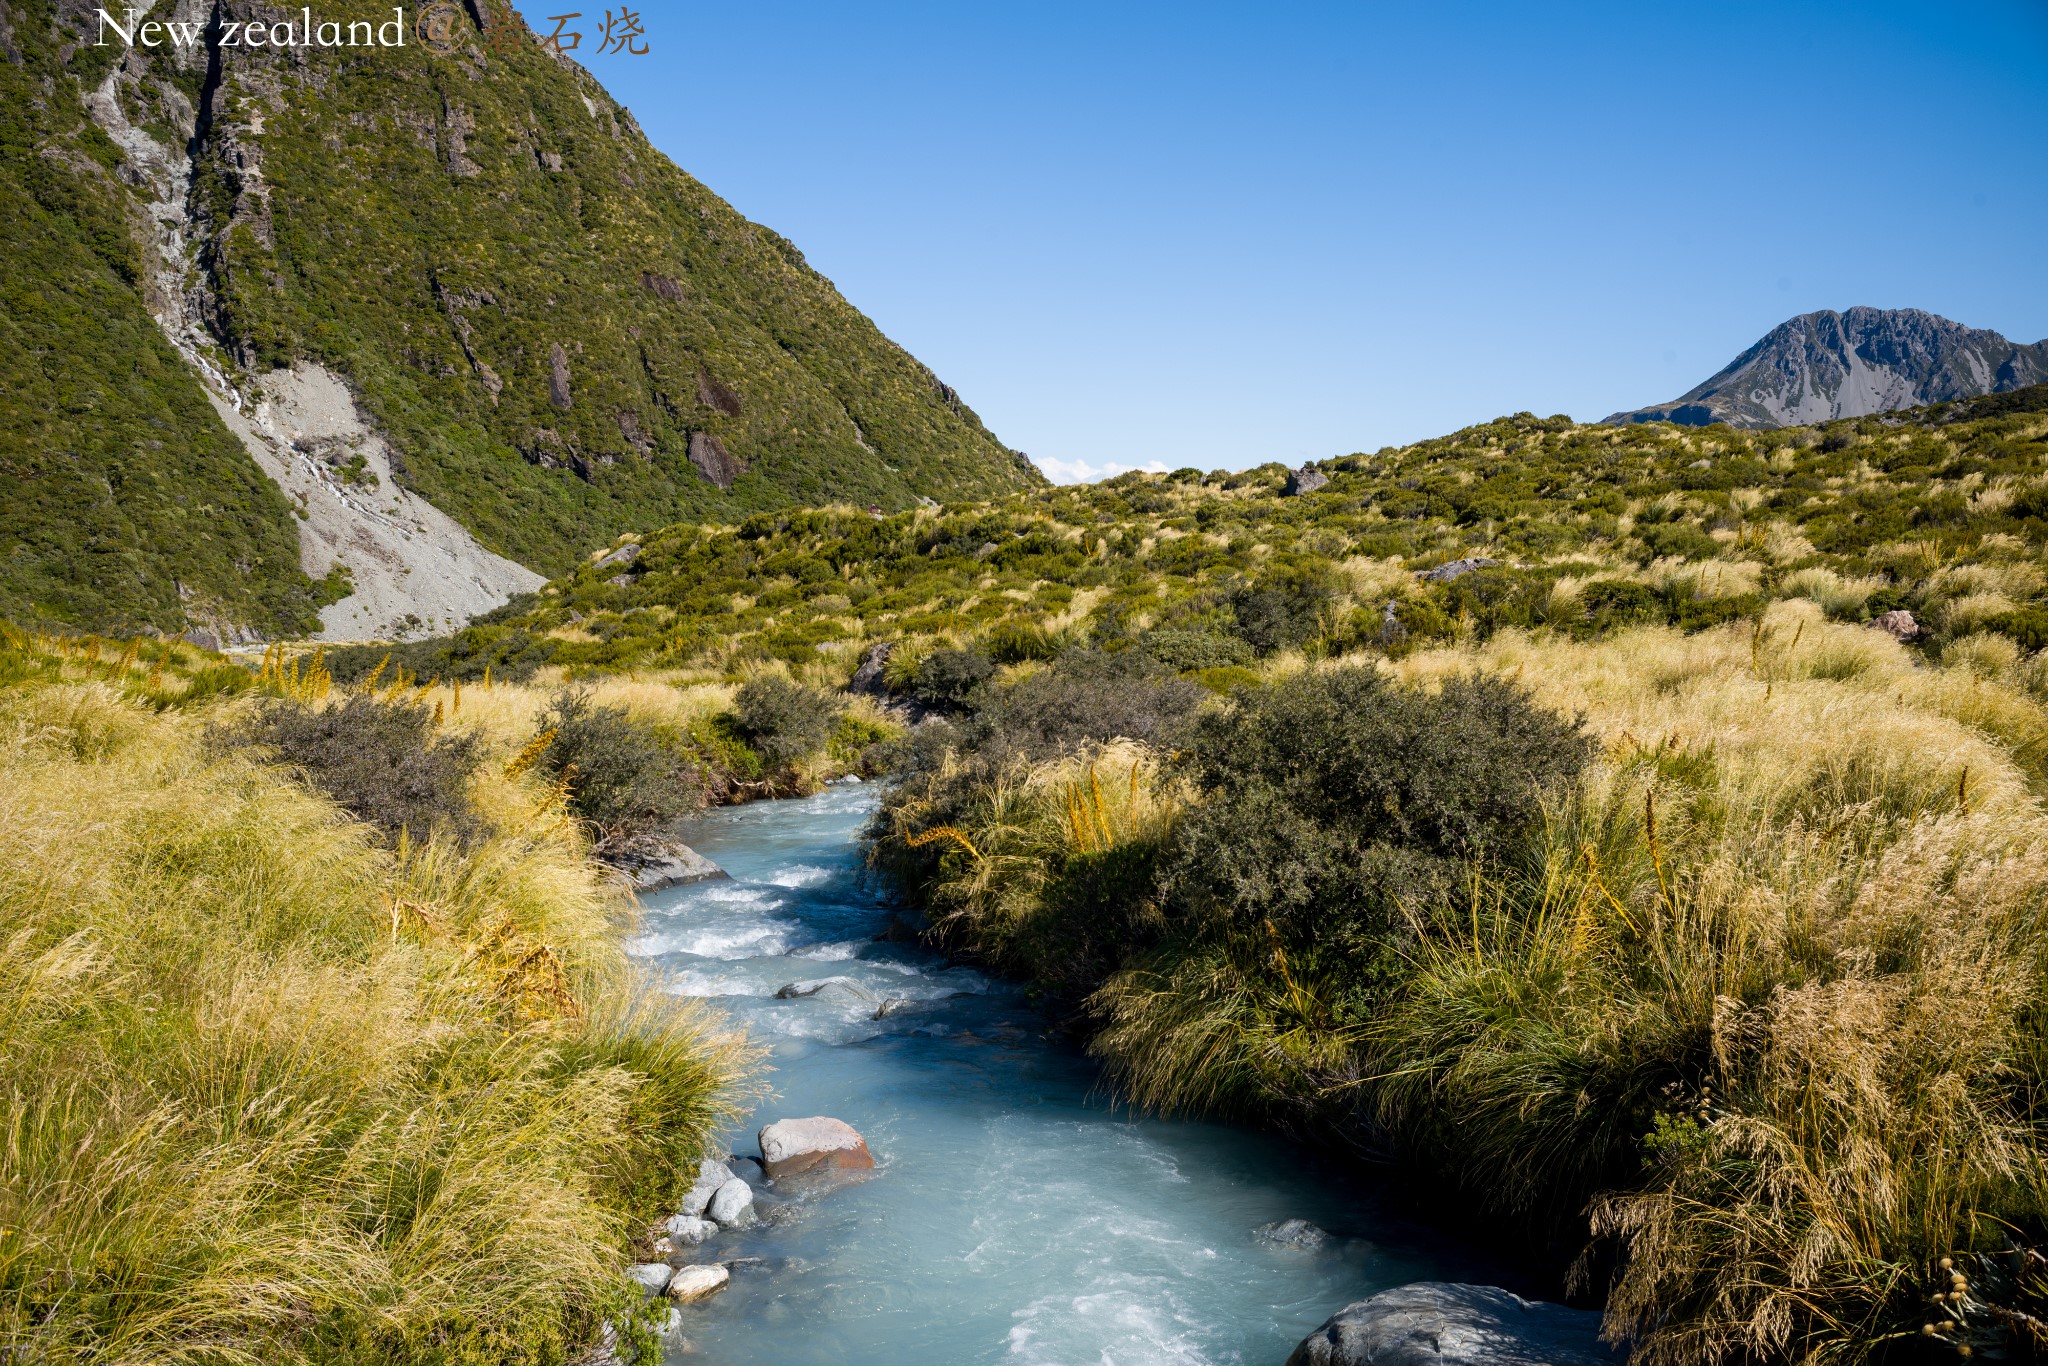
[277,1094]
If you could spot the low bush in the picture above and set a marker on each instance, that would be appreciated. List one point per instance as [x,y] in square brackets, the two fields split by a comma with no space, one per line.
[783,721]
[1088,695]
[383,761]
[948,678]
[622,780]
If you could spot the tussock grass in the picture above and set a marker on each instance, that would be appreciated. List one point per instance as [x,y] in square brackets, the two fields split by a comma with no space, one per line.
[276,1093]
[1754,1015]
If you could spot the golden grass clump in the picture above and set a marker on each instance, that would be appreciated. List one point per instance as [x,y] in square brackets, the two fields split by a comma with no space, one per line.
[278,1095]
[1760,1006]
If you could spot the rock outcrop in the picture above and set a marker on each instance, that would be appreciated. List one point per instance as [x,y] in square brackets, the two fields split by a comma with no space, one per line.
[789,1146]
[1456,569]
[732,1204]
[1294,1233]
[1435,1323]
[793,990]
[710,1176]
[1307,479]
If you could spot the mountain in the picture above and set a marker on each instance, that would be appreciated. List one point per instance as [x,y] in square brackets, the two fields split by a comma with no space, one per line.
[362,340]
[1827,365]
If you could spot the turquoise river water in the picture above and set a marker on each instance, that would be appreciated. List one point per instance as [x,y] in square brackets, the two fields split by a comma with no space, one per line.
[1014,1215]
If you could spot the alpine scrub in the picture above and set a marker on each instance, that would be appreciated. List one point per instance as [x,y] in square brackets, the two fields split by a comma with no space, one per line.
[289,1087]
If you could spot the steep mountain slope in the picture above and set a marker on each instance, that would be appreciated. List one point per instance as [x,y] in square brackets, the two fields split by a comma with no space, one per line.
[553,333]
[123,500]
[1827,365]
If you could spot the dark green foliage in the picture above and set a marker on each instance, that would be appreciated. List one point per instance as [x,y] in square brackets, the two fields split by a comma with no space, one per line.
[1089,695]
[1188,651]
[949,678]
[623,780]
[1283,609]
[383,762]
[1337,803]
[2028,626]
[785,722]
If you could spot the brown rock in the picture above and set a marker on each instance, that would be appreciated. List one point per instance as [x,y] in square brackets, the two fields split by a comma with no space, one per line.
[798,1145]
[1899,624]
[712,394]
[714,461]
[558,376]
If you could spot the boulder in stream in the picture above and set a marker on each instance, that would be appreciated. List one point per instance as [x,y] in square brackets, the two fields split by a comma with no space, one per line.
[1435,1323]
[797,1145]
[733,1205]
[688,1230]
[1295,1233]
[655,862]
[697,1282]
[710,1176]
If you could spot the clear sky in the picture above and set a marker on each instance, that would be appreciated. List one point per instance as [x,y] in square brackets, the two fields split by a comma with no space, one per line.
[1147,234]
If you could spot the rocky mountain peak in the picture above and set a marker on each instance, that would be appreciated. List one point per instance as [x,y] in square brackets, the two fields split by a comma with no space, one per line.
[1826,365]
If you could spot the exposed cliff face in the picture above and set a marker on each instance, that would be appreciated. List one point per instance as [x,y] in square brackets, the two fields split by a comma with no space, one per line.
[1821,366]
[546,334]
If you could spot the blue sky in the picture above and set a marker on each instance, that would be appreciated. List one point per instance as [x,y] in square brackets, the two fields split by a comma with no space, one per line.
[1138,234]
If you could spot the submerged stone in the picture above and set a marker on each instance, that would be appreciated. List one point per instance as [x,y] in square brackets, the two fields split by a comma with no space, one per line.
[1435,1323]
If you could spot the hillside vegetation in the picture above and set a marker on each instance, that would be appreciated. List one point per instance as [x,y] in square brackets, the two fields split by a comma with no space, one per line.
[316,1052]
[1942,512]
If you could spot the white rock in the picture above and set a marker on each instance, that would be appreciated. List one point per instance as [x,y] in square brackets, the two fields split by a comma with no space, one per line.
[652,1276]
[687,1230]
[795,1145]
[733,1204]
[710,1176]
[698,1282]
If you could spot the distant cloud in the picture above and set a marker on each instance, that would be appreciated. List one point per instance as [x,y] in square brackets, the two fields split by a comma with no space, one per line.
[1080,472]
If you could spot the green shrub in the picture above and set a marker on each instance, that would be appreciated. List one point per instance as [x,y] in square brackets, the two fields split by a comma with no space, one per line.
[1287,608]
[1335,799]
[2027,626]
[1191,651]
[382,761]
[949,678]
[623,781]
[785,722]
[1089,695]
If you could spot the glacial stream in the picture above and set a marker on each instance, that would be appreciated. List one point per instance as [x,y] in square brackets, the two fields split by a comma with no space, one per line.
[1014,1216]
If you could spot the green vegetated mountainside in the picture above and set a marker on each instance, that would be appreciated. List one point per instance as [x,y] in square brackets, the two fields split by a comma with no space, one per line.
[1577,528]
[567,336]
[124,502]
[564,336]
